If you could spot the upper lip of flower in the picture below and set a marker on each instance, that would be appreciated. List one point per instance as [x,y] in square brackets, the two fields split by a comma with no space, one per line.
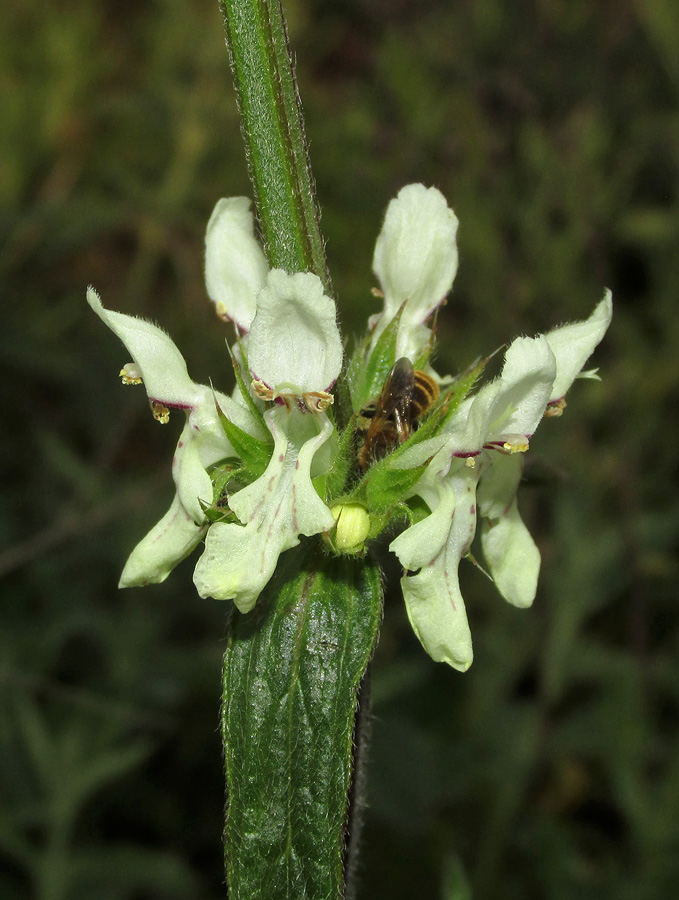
[415,261]
[235,265]
[294,342]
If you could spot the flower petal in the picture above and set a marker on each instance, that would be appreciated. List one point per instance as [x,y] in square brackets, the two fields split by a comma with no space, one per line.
[467,431]
[189,474]
[165,546]
[435,546]
[415,259]
[573,344]
[525,386]
[286,485]
[239,560]
[161,364]
[508,548]
[207,428]
[421,544]
[438,617]
[235,264]
[294,339]
[512,556]
[202,443]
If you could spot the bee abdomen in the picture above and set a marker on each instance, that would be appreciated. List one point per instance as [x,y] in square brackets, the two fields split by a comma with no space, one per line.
[424,396]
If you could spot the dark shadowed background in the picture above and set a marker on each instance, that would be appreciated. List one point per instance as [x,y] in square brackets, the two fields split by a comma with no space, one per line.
[550,769]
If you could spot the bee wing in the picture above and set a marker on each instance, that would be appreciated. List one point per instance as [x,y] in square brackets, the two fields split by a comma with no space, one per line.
[395,401]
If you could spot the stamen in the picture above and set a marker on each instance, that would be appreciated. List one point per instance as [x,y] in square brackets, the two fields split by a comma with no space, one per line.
[130,374]
[160,413]
[555,408]
[261,389]
[514,445]
[511,443]
[220,309]
[317,401]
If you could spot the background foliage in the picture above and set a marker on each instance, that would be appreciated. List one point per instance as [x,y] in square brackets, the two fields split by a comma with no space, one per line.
[551,769]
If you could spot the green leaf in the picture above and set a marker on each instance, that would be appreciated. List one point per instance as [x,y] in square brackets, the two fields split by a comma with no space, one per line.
[386,486]
[351,379]
[242,386]
[399,514]
[273,131]
[367,379]
[339,471]
[227,473]
[417,509]
[254,453]
[292,670]
[342,392]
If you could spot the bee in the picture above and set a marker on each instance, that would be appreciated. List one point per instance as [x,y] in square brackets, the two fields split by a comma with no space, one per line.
[387,422]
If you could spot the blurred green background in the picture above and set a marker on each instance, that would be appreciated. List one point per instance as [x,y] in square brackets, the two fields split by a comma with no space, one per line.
[549,770]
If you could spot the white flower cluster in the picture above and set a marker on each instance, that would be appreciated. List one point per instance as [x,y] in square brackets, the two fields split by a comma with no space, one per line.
[471,465]
[295,355]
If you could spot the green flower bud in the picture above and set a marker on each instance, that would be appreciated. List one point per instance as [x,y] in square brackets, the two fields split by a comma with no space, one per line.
[351,530]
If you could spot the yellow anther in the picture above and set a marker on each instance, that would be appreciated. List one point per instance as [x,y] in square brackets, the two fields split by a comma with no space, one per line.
[131,374]
[555,409]
[160,413]
[317,401]
[262,391]
[220,309]
[517,445]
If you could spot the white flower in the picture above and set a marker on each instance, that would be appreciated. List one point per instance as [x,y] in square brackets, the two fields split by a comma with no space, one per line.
[415,261]
[509,550]
[295,355]
[482,446]
[161,367]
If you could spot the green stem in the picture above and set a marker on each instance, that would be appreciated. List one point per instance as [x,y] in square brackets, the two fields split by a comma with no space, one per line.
[273,131]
